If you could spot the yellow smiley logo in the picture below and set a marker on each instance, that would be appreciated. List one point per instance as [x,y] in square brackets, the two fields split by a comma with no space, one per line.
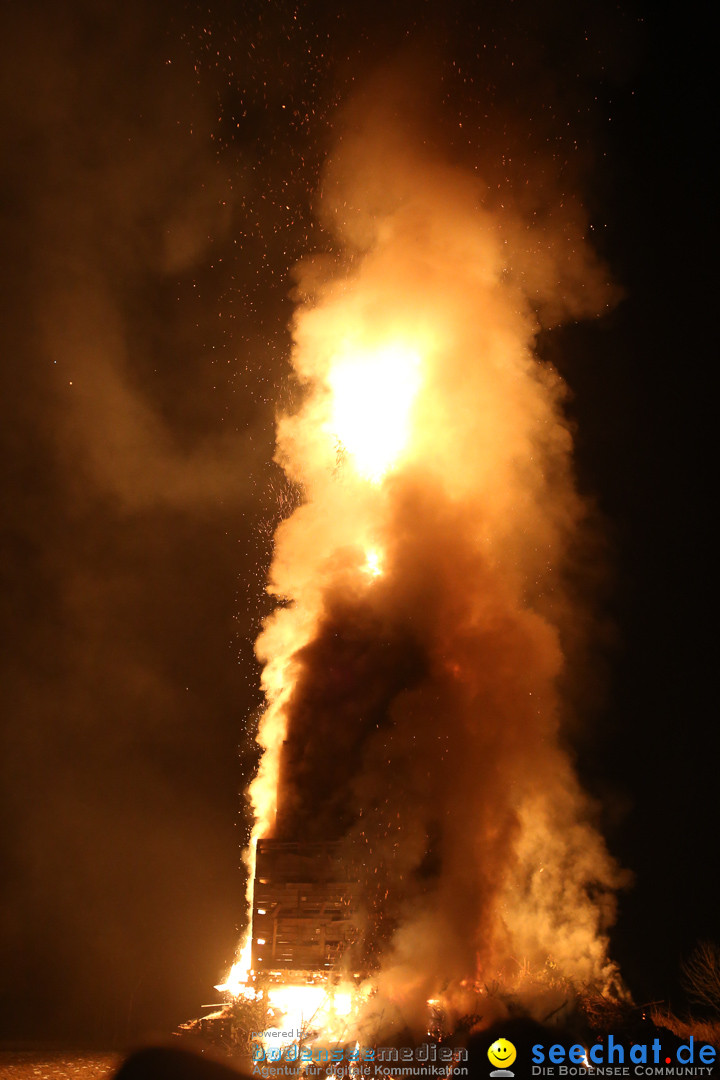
[502,1053]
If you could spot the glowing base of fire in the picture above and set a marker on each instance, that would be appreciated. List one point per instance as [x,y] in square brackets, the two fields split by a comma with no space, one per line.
[318,1008]
[302,1012]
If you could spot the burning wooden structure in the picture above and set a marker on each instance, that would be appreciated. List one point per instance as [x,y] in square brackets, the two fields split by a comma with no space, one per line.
[304,908]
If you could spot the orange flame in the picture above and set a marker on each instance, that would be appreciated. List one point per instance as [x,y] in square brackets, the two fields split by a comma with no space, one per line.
[435,465]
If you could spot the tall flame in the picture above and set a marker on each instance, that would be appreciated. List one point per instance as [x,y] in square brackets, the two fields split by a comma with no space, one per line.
[412,675]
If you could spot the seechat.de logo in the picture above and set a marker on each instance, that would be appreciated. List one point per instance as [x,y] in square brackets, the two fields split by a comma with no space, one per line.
[502,1053]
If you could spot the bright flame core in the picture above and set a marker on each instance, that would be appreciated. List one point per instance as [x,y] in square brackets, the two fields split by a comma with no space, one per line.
[302,1008]
[373,562]
[296,1006]
[372,398]
[300,1013]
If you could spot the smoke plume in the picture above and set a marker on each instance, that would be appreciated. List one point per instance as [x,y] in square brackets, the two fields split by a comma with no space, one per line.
[414,673]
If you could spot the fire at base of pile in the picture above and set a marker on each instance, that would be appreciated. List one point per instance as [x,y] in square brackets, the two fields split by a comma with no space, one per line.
[297,989]
[328,1026]
[355,1035]
[334,1028]
[302,1008]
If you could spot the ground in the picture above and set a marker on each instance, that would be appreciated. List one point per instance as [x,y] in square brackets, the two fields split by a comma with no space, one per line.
[56,1065]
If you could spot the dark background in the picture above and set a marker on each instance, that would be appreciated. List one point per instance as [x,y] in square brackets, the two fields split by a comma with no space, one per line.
[157,164]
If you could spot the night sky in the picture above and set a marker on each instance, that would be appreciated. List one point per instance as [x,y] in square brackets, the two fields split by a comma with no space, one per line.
[157,178]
